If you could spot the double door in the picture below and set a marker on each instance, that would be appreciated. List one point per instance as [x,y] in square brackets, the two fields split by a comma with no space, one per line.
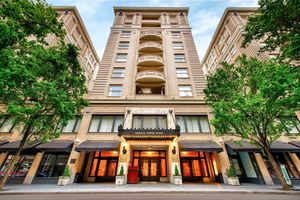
[149,169]
[106,169]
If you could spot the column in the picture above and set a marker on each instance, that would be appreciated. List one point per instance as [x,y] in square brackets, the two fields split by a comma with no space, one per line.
[124,159]
[263,169]
[34,167]
[3,157]
[295,160]
[225,164]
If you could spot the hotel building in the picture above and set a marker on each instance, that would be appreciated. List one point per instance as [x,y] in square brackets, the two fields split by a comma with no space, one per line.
[147,115]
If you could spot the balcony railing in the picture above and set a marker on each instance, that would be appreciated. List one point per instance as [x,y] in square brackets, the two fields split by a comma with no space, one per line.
[150,46]
[151,35]
[153,60]
[150,76]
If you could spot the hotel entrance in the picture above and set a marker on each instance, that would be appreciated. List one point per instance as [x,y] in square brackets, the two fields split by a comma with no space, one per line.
[151,164]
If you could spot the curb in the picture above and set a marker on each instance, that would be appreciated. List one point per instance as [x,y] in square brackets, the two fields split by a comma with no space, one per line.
[151,192]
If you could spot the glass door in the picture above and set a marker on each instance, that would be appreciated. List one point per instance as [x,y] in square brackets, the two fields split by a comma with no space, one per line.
[149,169]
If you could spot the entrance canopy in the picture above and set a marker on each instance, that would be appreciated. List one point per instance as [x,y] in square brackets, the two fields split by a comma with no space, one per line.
[56,146]
[241,147]
[13,146]
[283,147]
[98,145]
[206,146]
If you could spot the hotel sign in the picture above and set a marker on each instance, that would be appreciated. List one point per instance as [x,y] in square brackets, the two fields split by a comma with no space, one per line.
[149,133]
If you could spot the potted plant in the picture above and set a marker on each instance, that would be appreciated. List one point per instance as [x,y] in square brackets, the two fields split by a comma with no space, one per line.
[120,178]
[65,179]
[232,178]
[177,179]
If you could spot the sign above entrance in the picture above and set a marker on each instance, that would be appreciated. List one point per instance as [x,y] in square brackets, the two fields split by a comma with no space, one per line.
[149,133]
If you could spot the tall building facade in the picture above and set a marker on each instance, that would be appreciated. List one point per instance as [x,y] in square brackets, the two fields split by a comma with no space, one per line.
[147,117]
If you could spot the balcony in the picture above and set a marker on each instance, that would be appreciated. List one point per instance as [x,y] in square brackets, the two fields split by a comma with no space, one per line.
[150,77]
[150,60]
[151,35]
[150,47]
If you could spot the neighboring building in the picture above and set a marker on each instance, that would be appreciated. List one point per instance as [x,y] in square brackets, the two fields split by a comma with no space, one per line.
[147,113]
[227,40]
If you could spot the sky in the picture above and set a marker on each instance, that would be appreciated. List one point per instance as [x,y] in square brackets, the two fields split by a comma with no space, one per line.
[204,16]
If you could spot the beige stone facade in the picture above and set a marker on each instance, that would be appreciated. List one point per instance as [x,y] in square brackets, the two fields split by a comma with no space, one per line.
[148,84]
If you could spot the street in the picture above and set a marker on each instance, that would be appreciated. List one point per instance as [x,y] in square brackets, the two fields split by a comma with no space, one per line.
[152,196]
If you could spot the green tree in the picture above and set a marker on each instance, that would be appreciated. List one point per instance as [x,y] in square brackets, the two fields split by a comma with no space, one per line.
[277,24]
[41,87]
[250,97]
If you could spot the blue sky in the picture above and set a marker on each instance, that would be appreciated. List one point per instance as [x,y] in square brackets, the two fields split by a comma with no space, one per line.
[204,16]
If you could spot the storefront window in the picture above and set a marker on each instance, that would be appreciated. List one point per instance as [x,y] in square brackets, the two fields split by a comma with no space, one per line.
[22,167]
[247,164]
[53,165]
[284,159]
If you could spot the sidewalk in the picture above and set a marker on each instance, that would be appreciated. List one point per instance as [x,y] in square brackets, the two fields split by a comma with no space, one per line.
[144,188]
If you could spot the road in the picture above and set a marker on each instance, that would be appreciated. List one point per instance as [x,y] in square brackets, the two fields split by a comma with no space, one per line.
[152,196]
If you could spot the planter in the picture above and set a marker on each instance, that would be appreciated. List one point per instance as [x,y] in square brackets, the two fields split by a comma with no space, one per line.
[177,180]
[233,181]
[120,180]
[63,180]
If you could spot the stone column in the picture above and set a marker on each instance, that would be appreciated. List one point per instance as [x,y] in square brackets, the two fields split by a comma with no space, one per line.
[225,164]
[34,167]
[263,169]
[3,157]
[295,160]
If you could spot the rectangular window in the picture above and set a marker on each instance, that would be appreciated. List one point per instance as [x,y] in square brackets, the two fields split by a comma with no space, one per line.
[180,58]
[233,50]
[21,169]
[175,34]
[121,57]
[177,45]
[118,73]
[6,125]
[182,73]
[105,123]
[125,34]
[149,121]
[72,126]
[53,165]
[193,124]
[185,91]
[115,90]
[123,45]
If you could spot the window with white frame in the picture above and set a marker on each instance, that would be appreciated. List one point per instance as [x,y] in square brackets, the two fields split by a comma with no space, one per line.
[185,90]
[182,73]
[72,126]
[115,90]
[118,72]
[123,45]
[175,34]
[179,58]
[177,45]
[125,34]
[233,50]
[121,57]
[105,123]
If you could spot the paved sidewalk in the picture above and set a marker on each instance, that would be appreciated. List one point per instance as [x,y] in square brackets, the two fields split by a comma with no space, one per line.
[144,188]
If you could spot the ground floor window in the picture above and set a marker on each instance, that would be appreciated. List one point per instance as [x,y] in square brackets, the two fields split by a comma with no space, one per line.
[22,167]
[282,159]
[104,165]
[195,165]
[52,165]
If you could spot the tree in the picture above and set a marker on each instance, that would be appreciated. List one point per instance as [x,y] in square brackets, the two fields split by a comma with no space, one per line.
[250,97]
[41,87]
[277,25]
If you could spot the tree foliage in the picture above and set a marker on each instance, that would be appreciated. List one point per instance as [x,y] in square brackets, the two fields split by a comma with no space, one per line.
[277,24]
[41,86]
[249,99]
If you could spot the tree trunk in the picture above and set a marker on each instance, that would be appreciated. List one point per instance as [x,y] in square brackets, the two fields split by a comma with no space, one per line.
[282,181]
[14,159]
